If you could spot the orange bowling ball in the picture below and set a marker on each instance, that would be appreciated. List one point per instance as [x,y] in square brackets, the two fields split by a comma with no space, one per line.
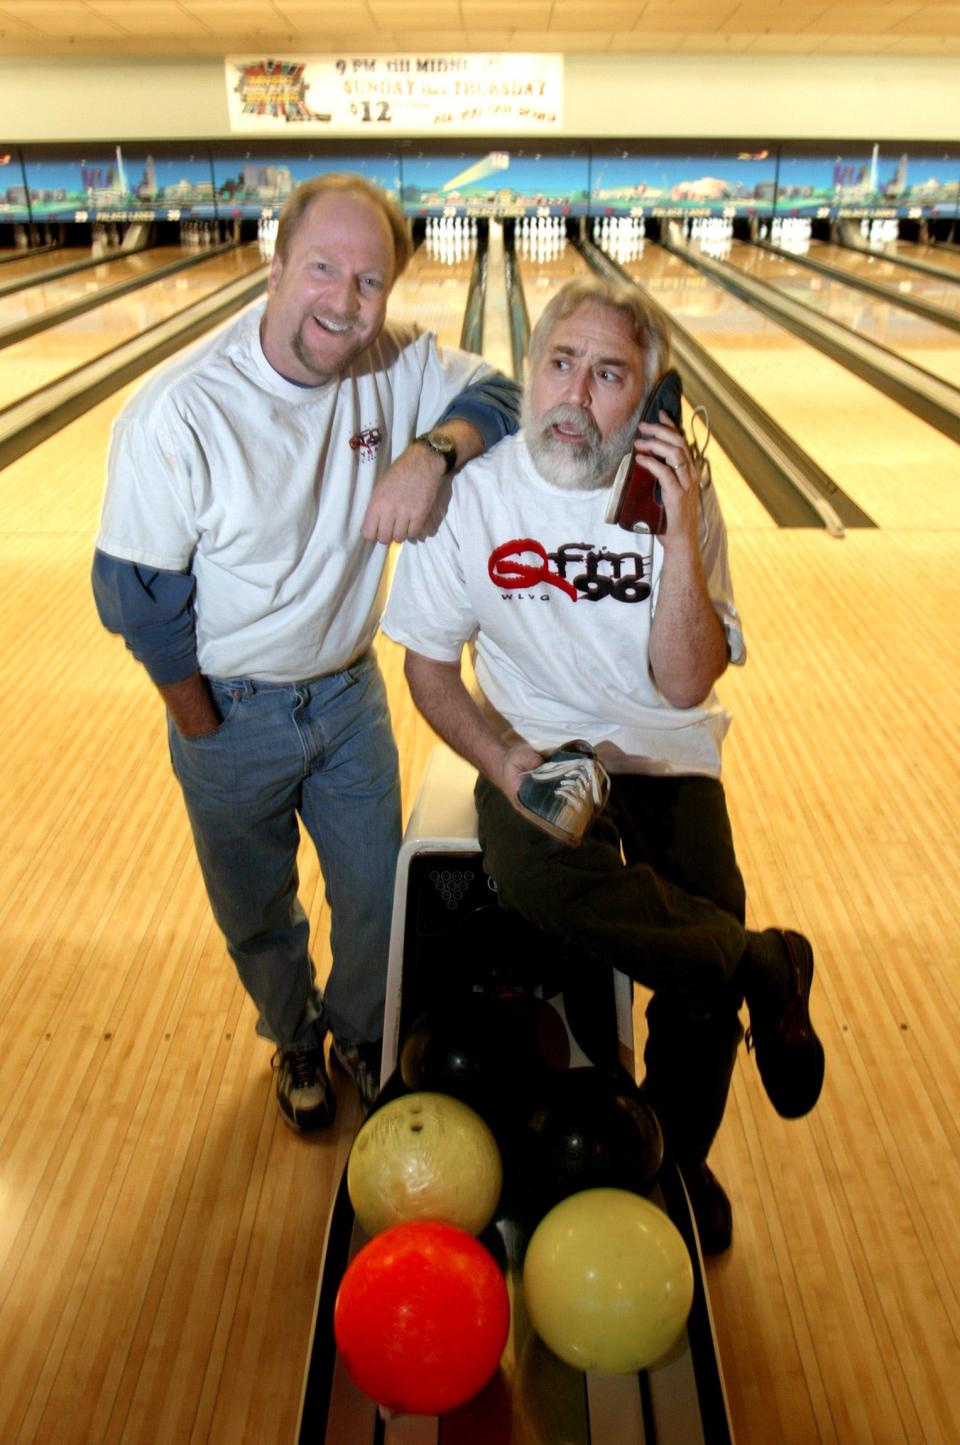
[421,1318]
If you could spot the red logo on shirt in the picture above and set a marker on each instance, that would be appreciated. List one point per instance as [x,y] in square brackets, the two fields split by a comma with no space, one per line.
[598,574]
[506,570]
[366,443]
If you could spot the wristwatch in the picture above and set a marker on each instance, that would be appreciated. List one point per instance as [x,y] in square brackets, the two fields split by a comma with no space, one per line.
[439,442]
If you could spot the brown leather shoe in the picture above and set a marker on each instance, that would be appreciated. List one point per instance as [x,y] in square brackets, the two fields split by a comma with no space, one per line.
[789,1053]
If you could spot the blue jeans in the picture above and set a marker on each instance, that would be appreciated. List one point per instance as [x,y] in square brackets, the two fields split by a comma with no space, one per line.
[323,750]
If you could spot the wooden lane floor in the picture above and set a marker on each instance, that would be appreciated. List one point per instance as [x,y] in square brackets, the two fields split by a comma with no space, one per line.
[897,468]
[162,1230]
[155,1206]
[882,268]
[36,362]
[840,1289]
[433,294]
[925,343]
[541,279]
[46,295]
[543,271]
[932,255]
[27,265]
[140,1143]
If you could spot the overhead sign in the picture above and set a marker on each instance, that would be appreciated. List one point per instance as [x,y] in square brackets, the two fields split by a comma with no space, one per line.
[377,94]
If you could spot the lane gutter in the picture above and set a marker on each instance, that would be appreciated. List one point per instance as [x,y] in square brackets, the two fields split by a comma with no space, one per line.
[29,421]
[920,391]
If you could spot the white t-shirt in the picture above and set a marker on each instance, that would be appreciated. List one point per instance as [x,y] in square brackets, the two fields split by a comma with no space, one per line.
[558,604]
[220,466]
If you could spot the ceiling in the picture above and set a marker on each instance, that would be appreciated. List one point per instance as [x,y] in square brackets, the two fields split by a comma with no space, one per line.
[221,27]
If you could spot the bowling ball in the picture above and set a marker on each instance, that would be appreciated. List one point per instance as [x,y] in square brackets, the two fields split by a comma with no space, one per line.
[589,1129]
[421,1318]
[607,1281]
[499,951]
[480,1048]
[424,1156]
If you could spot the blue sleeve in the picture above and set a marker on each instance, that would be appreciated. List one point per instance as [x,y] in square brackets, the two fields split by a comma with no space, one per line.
[491,405]
[152,611]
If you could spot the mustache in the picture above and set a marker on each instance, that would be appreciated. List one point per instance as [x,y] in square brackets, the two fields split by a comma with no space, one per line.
[575,416]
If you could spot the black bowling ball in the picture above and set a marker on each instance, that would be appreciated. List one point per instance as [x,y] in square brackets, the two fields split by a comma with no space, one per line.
[589,1129]
[479,1048]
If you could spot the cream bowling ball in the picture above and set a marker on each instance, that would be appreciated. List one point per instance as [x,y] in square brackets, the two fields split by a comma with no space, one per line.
[607,1281]
[424,1156]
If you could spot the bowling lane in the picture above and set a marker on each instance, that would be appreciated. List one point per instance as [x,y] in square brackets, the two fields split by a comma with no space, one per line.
[887,460]
[883,270]
[45,296]
[542,275]
[36,362]
[544,267]
[931,255]
[432,292]
[27,265]
[923,343]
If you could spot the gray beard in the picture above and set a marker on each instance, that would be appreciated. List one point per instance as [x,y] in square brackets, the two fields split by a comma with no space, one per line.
[585,466]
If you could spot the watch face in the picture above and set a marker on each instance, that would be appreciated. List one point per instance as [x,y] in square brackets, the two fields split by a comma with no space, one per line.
[443,445]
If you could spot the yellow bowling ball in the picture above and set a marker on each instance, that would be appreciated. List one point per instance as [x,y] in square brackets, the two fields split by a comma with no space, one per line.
[424,1156]
[607,1281]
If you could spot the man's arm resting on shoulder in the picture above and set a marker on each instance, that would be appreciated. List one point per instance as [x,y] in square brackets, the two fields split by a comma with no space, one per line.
[438,690]
[152,610]
[475,420]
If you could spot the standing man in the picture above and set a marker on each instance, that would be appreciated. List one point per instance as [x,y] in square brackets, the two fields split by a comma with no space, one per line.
[253,488]
[582,631]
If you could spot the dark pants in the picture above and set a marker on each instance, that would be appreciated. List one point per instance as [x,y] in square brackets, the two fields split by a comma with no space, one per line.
[653,890]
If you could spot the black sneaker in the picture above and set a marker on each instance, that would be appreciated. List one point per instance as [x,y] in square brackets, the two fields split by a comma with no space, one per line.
[566,792]
[710,1206]
[789,1054]
[304,1096]
[361,1063]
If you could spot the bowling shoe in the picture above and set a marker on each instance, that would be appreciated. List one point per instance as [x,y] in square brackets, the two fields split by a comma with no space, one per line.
[789,1054]
[304,1096]
[710,1206]
[566,792]
[361,1063]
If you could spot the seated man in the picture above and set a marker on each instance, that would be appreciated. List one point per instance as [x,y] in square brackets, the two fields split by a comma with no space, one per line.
[581,631]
